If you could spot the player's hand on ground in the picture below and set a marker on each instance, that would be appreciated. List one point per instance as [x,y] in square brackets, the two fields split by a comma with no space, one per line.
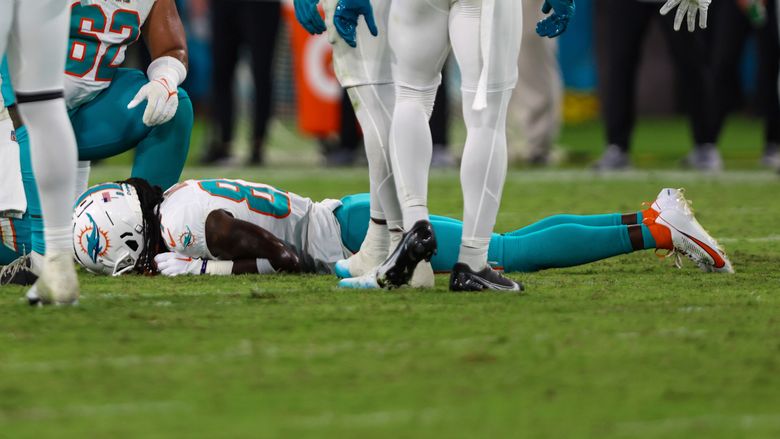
[346,19]
[162,100]
[557,22]
[308,15]
[174,264]
[287,260]
[688,8]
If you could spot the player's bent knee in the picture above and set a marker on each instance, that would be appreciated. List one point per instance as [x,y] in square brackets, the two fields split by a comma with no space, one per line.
[185,113]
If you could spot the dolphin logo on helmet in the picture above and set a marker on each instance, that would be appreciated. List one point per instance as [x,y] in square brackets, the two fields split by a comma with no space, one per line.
[93,240]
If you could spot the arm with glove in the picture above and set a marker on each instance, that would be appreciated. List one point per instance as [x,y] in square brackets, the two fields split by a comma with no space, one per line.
[165,37]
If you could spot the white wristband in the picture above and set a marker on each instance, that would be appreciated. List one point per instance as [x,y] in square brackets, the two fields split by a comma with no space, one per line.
[218,268]
[168,68]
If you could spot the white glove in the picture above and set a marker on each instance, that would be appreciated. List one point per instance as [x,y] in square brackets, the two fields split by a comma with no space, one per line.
[689,8]
[161,93]
[174,264]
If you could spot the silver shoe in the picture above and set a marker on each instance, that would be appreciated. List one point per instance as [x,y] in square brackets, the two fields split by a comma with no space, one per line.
[614,159]
[704,158]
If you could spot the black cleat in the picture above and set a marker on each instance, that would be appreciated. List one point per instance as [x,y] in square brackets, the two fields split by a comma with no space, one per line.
[463,278]
[18,272]
[418,244]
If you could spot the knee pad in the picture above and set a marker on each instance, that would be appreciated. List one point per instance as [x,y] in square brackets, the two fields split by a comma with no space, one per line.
[425,96]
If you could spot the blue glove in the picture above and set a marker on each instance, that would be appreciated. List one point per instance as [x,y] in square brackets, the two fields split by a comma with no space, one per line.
[555,24]
[346,19]
[308,15]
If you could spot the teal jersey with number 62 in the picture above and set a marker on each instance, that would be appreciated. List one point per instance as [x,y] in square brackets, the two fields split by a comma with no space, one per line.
[100,31]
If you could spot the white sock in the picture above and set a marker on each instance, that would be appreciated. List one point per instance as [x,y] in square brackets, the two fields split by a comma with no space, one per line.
[474,253]
[373,250]
[54,156]
[36,263]
[82,178]
[411,148]
[396,235]
[482,174]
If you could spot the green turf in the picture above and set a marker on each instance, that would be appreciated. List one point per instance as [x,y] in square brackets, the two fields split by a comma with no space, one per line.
[659,143]
[624,348]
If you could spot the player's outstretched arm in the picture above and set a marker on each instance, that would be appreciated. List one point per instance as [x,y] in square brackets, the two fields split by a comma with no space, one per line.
[235,240]
[242,248]
[688,8]
[164,36]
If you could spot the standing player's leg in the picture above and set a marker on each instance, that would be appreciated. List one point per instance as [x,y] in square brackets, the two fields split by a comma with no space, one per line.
[420,45]
[490,58]
[366,73]
[373,108]
[40,34]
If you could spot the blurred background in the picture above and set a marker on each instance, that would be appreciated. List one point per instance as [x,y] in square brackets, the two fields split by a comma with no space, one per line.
[619,89]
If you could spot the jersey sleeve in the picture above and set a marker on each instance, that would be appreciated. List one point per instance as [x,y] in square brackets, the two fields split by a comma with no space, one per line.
[7,97]
[183,226]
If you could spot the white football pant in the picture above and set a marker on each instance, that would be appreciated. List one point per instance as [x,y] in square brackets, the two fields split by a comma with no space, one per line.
[35,34]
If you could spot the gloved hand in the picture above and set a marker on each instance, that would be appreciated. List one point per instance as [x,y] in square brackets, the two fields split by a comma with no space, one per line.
[346,19]
[308,16]
[555,24]
[162,101]
[689,8]
[162,92]
[174,264]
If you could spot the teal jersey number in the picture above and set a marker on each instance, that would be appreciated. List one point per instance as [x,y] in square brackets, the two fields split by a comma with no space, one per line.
[87,53]
[260,198]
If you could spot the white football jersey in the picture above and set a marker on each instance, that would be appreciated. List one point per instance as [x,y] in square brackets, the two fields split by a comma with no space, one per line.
[308,226]
[100,31]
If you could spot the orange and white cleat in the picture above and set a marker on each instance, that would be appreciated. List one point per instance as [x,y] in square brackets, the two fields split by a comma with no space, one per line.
[688,236]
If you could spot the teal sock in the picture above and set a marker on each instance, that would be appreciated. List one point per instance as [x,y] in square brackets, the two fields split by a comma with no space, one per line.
[33,215]
[604,220]
[647,237]
[565,245]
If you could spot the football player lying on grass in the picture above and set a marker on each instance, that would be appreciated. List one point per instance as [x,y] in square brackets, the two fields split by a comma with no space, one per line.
[226,226]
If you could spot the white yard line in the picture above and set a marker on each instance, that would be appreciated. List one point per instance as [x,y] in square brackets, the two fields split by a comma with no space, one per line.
[367,419]
[664,426]
[245,349]
[91,410]
[754,239]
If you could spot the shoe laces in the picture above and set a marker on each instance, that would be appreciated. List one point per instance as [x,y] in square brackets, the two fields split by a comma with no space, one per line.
[677,257]
[9,271]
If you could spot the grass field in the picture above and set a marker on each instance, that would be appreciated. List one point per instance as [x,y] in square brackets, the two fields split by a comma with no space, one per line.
[624,348]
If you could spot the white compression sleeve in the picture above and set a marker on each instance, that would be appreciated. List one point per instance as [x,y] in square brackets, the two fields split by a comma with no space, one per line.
[374,110]
[417,32]
[54,156]
[482,174]
[82,178]
[13,202]
[411,148]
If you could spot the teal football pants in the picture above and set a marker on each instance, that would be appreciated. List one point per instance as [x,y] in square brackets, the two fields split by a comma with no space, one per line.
[554,242]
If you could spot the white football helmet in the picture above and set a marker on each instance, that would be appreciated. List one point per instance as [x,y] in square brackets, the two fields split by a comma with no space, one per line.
[108,229]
